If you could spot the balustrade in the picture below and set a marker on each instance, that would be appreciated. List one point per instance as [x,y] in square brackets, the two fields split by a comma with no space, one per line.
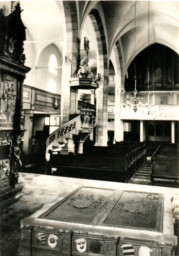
[80,125]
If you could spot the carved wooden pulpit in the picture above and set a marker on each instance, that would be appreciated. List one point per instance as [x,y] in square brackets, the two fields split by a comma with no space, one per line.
[12,74]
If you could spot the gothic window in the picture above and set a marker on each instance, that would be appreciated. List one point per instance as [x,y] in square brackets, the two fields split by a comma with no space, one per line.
[52,64]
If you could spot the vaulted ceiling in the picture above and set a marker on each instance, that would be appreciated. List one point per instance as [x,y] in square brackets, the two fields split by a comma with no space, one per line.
[136,24]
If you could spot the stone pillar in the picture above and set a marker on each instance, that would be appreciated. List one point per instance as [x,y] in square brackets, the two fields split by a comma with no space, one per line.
[101,114]
[119,93]
[73,101]
[120,131]
[70,145]
[93,97]
[65,91]
[173,132]
[142,131]
[118,123]
[80,147]
[27,143]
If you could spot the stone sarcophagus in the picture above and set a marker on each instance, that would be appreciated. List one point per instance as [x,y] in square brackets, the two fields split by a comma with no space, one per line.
[95,221]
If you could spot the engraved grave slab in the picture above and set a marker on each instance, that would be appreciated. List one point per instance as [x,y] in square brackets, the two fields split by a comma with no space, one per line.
[98,221]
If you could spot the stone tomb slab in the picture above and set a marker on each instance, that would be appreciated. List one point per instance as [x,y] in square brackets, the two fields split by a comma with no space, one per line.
[98,221]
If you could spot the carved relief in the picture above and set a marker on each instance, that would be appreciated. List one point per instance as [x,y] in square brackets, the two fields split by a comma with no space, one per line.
[111,250]
[52,241]
[83,70]
[87,118]
[140,205]
[15,161]
[128,248]
[85,201]
[40,238]
[81,245]
[11,78]
[144,250]
[4,173]
[15,35]
[5,142]
[56,103]
[7,99]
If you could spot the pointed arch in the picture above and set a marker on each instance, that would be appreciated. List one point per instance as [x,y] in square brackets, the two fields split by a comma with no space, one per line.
[102,68]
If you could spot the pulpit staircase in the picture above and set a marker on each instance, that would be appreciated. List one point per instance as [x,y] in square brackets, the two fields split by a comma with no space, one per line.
[63,140]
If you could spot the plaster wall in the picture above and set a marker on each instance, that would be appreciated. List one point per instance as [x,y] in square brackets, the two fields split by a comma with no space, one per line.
[43,74]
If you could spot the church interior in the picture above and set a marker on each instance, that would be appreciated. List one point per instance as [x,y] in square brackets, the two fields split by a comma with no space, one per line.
[89,128]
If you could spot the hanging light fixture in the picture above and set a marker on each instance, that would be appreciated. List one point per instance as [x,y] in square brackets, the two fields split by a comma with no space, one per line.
[135,70]
[135,101]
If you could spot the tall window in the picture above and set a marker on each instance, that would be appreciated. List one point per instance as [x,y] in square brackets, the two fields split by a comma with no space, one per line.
[52,68]
[52,64]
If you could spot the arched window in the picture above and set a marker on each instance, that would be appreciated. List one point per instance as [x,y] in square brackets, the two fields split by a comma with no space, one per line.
[52,64]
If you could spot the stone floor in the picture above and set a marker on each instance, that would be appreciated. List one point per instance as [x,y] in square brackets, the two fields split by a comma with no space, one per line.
[40,189]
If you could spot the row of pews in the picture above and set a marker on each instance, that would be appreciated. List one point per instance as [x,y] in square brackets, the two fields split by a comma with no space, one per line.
[33,163]
[165,164]
[117,162]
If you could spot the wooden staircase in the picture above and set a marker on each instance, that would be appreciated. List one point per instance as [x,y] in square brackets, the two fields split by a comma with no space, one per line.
[61,141]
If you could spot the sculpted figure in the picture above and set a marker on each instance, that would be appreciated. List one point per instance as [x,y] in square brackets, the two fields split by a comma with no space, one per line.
[15,161]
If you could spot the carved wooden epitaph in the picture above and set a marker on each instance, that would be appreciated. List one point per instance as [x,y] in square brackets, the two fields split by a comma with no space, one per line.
[12,74]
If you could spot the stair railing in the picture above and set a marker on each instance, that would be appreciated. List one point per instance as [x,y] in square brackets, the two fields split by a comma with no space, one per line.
[83,124]
[57,138]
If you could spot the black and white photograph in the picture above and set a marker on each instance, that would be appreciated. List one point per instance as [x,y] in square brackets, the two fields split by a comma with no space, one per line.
[89,128]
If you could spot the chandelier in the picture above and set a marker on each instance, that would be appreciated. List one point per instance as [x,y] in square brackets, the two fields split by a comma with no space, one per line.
[135,101]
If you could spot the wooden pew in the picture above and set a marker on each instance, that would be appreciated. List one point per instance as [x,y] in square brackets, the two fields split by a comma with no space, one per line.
[119,161]
[165,164]
[165,170]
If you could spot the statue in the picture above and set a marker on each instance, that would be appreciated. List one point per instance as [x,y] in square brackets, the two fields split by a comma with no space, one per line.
[86,45]
[83,70]
[15,162]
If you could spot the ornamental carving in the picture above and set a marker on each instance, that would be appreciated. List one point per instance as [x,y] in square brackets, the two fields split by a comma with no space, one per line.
[81,245]
[40,238]
[144,250]
[7,99]
[83,70]
[140,205]
[88,118]
[52,240]
[82,201]
[12,34]
[56,103]
[13,71]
